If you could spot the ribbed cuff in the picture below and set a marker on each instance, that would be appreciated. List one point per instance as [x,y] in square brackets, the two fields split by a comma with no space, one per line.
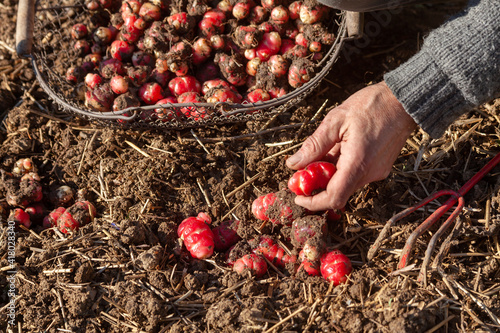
[426,93]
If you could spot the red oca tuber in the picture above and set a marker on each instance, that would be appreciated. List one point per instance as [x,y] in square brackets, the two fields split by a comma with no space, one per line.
[252,263]
[225,235]
[273,252]
[20,217]
[196,234]
[278,208]
[312,267]
[76,216]
[335,267]
[313,177]
[307,227]
[50,220]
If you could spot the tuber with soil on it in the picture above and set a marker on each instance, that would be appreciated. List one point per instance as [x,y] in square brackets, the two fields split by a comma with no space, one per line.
[23,166]
[300,71]
[50,220]
[311,267]
[232,68]
[251,263]
[93,80]
[138,76]
[23,191]
[197,236]
[277,207]
[242,9]
[267,247]
[225,95]
[237,251]
[308,227]
[212,24]
[311,12]
[202,50]
[280,15]
[309,233]
[79,214]
[20,217]
[225,235]
[24,194]
[101,98]
[247,37]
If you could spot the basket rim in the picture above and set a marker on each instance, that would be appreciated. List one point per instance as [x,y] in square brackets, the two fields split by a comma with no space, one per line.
[226,109]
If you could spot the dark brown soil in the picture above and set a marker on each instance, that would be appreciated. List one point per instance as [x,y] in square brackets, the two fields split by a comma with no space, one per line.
[124,271]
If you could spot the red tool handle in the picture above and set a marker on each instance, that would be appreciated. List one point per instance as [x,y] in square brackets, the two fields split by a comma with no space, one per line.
[477,177]
[443,209]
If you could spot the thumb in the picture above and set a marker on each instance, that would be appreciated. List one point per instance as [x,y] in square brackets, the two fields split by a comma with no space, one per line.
[316,146]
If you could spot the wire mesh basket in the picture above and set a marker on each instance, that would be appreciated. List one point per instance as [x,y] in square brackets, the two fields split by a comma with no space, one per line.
[42,34]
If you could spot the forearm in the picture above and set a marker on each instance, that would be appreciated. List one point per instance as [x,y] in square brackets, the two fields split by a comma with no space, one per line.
[457,69]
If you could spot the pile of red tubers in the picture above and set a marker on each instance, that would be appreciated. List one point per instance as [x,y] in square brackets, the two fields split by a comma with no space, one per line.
[305,231]
[26,205]
[139,52]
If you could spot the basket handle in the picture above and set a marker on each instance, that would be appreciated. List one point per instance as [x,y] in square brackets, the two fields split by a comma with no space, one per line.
[354,24]
[25,27]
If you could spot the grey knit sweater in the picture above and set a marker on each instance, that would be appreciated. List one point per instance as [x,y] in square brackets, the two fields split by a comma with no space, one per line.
[457,69]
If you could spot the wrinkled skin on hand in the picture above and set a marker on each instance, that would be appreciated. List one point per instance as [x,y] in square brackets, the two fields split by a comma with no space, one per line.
[362,137]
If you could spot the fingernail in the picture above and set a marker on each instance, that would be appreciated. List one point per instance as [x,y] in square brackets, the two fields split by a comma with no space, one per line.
[294,159]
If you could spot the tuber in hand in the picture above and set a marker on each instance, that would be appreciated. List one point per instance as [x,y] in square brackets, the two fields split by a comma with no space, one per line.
[313,177]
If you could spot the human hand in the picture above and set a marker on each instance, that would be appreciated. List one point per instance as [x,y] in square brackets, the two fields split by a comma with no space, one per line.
[363,137]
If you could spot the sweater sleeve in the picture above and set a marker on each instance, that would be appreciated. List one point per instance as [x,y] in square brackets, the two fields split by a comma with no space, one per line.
[457,69]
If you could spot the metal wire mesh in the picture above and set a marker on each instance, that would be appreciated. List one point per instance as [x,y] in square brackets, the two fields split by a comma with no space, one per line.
[51,54]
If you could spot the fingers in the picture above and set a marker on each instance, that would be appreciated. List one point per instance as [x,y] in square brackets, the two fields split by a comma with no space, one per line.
[317,145]
[334,197]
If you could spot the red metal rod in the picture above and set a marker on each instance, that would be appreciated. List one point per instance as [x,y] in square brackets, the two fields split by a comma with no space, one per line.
[384,232]
[443,209]
[481,173]
[436,215]
[436,236]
